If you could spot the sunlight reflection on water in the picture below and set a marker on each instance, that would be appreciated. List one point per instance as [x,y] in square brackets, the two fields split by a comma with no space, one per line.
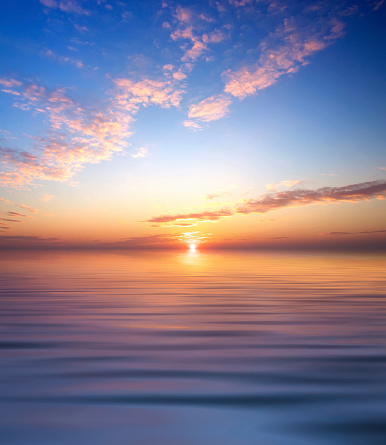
[192,348]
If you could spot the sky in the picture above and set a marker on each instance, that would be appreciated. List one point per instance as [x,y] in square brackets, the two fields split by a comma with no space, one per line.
[159,124]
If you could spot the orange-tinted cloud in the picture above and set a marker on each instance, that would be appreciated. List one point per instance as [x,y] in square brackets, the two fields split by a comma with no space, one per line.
[198,217]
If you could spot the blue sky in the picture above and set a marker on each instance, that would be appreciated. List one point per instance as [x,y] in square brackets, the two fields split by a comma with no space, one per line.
[114,113]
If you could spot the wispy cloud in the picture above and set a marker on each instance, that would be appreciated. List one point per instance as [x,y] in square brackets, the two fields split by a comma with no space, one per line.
[376,4]
[25,242]
[64,59]
[46,198]
[16,214]
[196,29]
[192,125]
[285,183]
[283,53]
[365,232]
[30,209]
[240,3]
[284,199]
[140,153]
[68,6]
[349,193]
[205,216]
[11,220]
[212,196]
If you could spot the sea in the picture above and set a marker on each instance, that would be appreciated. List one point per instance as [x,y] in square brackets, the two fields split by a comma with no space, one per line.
[186,348]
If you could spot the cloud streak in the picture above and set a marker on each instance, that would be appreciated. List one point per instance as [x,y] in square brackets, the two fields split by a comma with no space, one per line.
[205,216]
[365,232]
[284,199]
[67,6]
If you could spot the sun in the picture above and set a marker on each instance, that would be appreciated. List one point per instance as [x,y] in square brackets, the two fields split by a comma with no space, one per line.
[192,247]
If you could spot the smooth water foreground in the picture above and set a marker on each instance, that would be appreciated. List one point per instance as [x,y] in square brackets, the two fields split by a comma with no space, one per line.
[192,348]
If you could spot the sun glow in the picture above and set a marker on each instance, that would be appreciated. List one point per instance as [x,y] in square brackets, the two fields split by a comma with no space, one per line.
[192,247]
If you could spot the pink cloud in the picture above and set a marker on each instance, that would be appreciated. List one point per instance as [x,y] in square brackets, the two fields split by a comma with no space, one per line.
[283,53]
[212,108]
[79,134]
[162,93]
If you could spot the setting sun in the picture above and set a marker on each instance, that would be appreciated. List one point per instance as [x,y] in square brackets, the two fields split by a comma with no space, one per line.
[192,247]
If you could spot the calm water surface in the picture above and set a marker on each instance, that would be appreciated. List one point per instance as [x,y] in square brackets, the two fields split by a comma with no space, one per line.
[192,348]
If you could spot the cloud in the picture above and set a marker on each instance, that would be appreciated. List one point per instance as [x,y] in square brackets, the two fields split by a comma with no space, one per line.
[212,108]
[47,198]
[190,27]
[240,3]
[10,83]
[64,59]
[16,214]
[283,53]
[30,209]
[292,198]
[22,206]
[194,52]
[68,6]
[381,168]
[145,92]
[192,125]
[376,4]
[79,134]
[215,36]
[274,201]
[149,240]
[11,220]
[26,242]
[366,232]
[211,196]
[198,217]
[140,153]
[286,183]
